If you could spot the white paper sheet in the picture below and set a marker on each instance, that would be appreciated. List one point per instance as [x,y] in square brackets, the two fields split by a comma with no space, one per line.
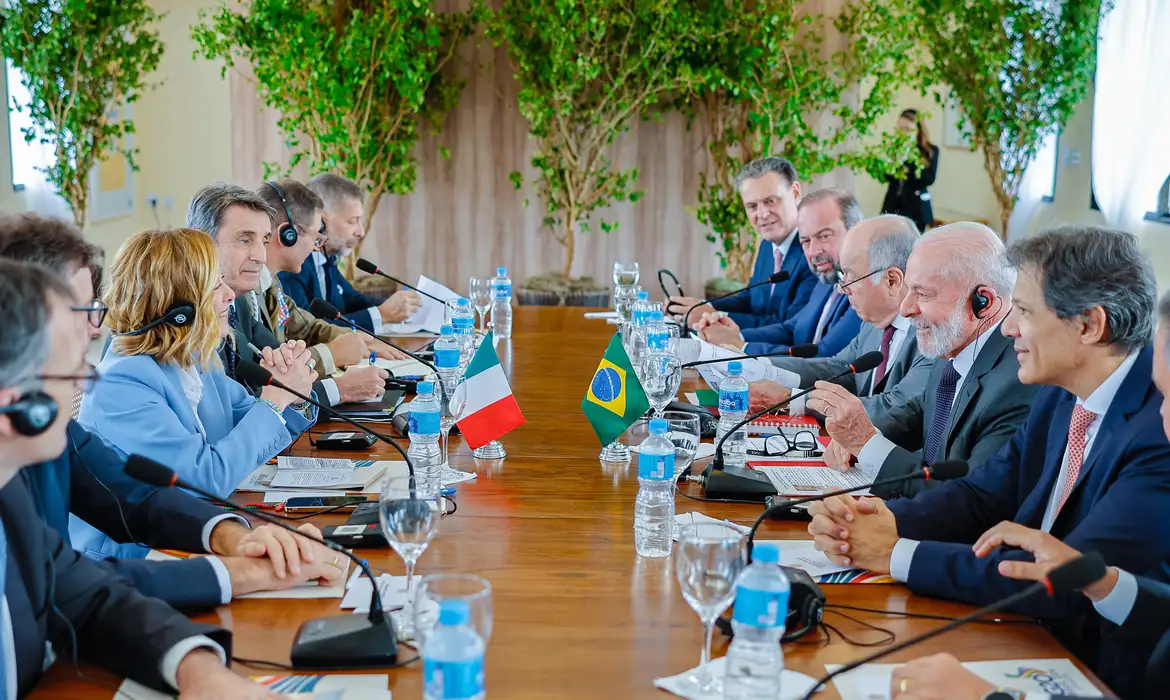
[430,315]
[391,588]
[801,554]
[316,479]
[283,462]
[607,315]
[306,590]
[1057,677]
[809,481]
[793,685]
[400,368]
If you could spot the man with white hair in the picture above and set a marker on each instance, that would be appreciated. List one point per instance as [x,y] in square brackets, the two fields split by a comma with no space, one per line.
[959,285]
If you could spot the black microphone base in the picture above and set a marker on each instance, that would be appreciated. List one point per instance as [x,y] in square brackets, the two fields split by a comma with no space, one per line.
[345,641]
[737,483]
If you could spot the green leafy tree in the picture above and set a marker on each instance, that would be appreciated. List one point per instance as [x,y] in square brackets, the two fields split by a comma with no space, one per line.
[353,81]
[587,70]
[82,61]
[768,85]
[1017,68]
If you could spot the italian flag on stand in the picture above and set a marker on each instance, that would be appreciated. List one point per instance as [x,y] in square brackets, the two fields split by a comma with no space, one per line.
[490,411]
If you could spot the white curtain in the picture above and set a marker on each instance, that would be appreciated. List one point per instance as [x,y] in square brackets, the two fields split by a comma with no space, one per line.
[1035,186]
[39,195]
[1131,108]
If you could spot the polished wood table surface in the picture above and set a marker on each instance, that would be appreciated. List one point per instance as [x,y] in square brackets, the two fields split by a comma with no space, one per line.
[577,613]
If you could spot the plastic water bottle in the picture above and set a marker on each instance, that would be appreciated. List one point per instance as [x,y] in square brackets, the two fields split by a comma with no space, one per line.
[755,660]
[502,304]
[733,406]
[463,321]
[448,358]
[641,309]
[654,505]
[424,450]
[657,334]
[453,656]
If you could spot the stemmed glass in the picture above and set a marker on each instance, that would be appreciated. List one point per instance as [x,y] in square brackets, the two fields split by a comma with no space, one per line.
[451,406]
[479,291]
[409,510]
[624,296]
[708,561]
[626,273]
[661,378]
[435,589]
[684,434]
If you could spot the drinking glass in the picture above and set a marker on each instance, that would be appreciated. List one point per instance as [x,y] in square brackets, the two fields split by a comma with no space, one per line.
[479,291]
[684,433]
[626,273]
[624,295]
[409,512]
[661,378]
[435,589]
[451,409]
[708,561]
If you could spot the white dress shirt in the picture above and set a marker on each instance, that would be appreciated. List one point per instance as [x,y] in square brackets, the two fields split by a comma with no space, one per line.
[1098,403]
[1117,606]
[319,261]
[824,319]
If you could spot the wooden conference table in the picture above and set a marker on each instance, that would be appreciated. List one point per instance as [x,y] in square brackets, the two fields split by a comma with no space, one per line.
[577,613]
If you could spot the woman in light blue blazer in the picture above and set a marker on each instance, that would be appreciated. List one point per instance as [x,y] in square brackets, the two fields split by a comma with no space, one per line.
[163,392]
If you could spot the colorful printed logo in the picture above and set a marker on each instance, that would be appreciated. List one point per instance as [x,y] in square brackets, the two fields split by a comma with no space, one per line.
[1049,682]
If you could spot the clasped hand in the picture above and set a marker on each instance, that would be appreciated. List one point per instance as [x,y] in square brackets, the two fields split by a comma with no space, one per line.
[854,532]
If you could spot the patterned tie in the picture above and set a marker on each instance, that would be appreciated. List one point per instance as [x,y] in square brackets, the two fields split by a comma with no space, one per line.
[230,340]
[1077,432]
[944,399]
[78,396]
[779,257]
[880,373]
[5,620]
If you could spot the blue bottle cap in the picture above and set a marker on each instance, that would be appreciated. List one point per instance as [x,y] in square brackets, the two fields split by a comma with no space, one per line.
[643,295]
[425,387]
[454,612]
[656,315]
[658,426]
[735,368]
[463,302]
[766,552]
[447,329]
[501,271]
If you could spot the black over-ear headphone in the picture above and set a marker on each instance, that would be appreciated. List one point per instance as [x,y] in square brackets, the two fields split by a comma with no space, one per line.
[32,414]
[180,313]
[979,302]
[287,233]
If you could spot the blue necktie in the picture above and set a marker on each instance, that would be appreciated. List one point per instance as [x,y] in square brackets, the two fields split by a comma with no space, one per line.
[944,398]
[7,632]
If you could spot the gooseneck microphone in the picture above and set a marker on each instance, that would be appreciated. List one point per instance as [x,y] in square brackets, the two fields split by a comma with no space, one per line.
[802,351]
[341,641]
[328,312]
[740,483]
[1064,579]
[371,269]
[253,374]
[774,278]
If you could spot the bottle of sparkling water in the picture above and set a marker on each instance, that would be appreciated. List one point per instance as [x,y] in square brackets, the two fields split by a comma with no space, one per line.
[755,660]
[654,505]
[733,406]
[424,450]
[453,656]
[502,304]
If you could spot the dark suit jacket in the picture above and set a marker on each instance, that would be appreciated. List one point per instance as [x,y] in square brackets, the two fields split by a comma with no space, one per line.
[842,326]
[990,406]
[117,627]
[303,287]
[909,197]
[252,329]
[88,481]
[1145,634]
[1120,506]
[762,306]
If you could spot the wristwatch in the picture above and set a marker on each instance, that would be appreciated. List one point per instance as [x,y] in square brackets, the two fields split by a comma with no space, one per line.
[1002,694]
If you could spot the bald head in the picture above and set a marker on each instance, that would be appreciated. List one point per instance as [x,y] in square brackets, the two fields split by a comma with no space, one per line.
[877,248]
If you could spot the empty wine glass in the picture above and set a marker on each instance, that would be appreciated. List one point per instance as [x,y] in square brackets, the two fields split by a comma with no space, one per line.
[708,561]
[626,273]
[684,434]
[409,512]
[624,296]
[661,377]
[479,291]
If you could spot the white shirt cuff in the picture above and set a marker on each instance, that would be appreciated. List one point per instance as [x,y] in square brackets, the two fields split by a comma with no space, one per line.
[375,319]
[873,455]
[901,559]
[210,525]
[1117,606]
[332,393]
[223,577]
[328,365]
[169,666]
[797,406]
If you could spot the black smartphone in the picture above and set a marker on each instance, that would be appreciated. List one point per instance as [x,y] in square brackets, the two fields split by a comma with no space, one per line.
[315,502]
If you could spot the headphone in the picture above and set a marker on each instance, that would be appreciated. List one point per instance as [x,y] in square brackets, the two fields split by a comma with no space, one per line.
[179,314]
[287,233]
[32,414]
[979,302]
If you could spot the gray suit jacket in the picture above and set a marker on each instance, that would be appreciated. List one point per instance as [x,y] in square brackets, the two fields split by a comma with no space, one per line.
[990,406]
[906,373]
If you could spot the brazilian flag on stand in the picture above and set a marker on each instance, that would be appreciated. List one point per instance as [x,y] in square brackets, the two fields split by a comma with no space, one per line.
[615,399]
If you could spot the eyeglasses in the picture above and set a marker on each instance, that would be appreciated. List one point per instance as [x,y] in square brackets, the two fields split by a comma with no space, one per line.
[841,277]
[802,441]
[84,381]
[96,312]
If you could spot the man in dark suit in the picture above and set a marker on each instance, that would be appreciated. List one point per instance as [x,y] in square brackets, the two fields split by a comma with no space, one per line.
[873,268]
[1091,465]
[52,596]
[973,400]
[319,277]
[827,319]
[770,192]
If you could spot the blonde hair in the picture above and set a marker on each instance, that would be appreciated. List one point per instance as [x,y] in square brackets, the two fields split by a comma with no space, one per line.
[152,271]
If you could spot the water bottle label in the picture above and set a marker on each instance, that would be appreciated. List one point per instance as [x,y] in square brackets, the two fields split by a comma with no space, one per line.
[461,325]
[761,608]
[503,290]
[447,357]
[656,467]
[452,680]
[424,422]
[735,401]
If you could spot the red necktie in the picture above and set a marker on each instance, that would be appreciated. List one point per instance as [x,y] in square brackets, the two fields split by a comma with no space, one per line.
[880,373]
[1077,429]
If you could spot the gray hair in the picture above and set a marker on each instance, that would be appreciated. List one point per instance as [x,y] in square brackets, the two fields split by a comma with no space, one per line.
[24,306]
[977,256]
[334,189]
[1083,267]
[762,166]
[892,244]
[1164,312]
[850,210]
[210,204]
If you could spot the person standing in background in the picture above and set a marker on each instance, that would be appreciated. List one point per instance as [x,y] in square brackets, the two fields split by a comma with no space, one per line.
[908,195]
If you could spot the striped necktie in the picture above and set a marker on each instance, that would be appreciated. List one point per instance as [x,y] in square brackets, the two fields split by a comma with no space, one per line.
[880,373]
[944,399]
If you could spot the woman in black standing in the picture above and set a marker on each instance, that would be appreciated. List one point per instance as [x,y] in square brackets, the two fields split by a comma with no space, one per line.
[908,195]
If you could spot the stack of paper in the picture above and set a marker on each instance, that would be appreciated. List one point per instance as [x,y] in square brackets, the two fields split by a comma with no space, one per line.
[335,687]
[321,473]
[801,481]
[365,472]
[1051,677]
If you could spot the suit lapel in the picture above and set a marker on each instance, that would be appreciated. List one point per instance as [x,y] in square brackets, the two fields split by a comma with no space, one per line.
[864,380]
[1031,513]
[985,361]
[898,366]
[762,297]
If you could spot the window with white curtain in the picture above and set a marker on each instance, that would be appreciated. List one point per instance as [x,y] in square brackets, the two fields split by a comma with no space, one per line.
[26,157]
[1047,161]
